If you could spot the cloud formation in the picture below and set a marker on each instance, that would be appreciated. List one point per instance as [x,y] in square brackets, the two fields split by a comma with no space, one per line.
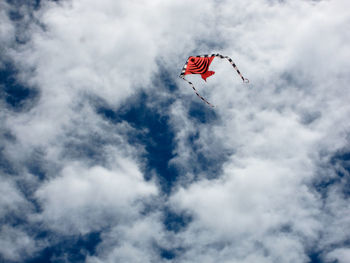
[261,178]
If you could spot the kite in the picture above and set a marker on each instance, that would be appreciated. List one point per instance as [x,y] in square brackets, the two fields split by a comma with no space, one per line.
[200,65]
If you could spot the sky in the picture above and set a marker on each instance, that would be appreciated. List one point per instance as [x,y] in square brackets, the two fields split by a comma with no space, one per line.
[106,155]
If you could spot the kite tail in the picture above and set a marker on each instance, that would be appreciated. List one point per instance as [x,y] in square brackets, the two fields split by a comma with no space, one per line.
[195,91]
[234,66]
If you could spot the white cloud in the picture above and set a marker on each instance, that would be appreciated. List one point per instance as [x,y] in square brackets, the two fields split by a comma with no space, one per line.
[12,200]
[248,206]
[7,30]
[341,255]
[15,244]
[282,128]
[87,199]
[134,242]
[278,132]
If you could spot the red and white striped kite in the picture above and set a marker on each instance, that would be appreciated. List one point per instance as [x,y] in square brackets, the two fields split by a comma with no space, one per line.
[200,65]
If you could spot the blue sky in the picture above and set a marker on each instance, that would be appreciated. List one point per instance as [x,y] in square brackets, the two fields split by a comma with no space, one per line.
[106,155]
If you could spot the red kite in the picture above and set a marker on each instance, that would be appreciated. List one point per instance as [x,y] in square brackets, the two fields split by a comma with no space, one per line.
[200,65]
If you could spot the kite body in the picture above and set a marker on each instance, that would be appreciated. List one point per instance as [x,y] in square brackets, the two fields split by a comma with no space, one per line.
[200,65]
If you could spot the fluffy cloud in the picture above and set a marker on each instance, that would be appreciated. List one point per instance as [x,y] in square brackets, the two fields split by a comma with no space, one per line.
[269,141]
[6,30]
[341,255]
[16,244]
[282,129]
[13,200]
[84,199]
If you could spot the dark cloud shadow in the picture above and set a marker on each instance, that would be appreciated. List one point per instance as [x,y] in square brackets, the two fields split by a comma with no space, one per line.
[67,249]
[151,130]
[340,163]
[16,96]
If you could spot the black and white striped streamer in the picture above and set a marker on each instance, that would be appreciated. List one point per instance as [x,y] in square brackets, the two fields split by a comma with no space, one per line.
[182,74]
